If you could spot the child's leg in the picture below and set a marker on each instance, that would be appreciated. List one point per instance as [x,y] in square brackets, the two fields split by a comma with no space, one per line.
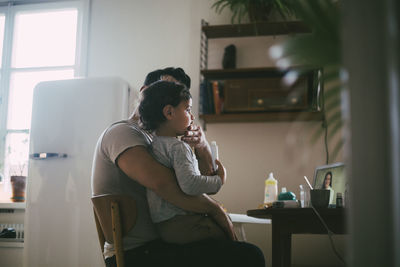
[183,229]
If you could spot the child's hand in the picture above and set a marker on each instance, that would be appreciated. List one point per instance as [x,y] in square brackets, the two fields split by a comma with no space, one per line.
[221,172]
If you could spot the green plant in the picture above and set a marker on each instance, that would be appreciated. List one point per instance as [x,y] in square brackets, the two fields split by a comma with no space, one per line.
[18,170]
[243,8]
[17,157]
[319,49]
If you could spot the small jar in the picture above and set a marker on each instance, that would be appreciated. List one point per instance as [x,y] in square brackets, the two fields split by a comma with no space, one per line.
[339,200]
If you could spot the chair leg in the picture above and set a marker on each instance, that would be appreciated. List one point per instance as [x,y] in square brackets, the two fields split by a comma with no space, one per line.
[243,232]
[117,234]
[100,234]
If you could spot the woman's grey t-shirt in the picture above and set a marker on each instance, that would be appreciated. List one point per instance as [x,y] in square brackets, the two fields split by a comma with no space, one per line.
[107,178]
[177,155]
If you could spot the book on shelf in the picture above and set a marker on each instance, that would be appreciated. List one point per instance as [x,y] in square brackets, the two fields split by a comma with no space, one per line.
[202,106]
[217,101]
[206,98]
[211,97]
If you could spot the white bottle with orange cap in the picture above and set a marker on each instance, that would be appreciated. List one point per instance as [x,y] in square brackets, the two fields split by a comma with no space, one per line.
[271,189]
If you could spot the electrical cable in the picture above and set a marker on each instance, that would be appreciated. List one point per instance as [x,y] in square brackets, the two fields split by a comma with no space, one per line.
[330,234]
[324,121]
[325,125]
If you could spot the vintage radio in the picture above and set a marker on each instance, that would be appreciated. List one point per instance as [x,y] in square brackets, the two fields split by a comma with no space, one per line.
[268,94]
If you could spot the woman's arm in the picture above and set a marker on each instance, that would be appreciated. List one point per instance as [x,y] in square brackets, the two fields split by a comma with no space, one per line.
[138,164]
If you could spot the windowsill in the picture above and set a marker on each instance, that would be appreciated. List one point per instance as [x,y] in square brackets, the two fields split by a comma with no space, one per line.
[11,243]
[13,205]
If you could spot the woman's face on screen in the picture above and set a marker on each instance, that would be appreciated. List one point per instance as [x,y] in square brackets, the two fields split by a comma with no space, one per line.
[327,181]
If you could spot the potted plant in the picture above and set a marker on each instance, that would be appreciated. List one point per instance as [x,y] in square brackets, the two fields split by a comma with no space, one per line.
[15,166]
[18,184]
[256,10]
[321,48]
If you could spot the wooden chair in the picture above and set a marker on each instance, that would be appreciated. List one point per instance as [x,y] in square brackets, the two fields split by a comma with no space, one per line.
[115,216]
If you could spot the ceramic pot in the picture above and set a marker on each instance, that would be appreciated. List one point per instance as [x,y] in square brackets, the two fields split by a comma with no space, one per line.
[320,198]
[18,184]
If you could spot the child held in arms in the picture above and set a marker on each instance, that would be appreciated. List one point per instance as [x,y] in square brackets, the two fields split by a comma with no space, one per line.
[165,111]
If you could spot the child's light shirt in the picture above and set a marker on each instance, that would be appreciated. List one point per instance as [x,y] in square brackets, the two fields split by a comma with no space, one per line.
[177,155]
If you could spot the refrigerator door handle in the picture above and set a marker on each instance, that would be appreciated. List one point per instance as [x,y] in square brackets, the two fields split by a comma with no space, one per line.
[45,155]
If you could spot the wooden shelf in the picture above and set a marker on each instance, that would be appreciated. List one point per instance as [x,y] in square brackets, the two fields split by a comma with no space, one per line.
[249,73]
[255,29]
[252,74]
[262,117]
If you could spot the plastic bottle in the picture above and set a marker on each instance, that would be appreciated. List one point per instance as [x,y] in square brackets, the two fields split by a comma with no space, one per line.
[302,196]
[214,153]
[346,196]
[271,189]
[339,200]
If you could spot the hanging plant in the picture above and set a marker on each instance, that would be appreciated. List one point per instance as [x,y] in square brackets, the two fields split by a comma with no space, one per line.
[254,10]
[319,49]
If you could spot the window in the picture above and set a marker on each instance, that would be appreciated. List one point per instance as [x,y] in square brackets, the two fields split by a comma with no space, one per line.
[38,42]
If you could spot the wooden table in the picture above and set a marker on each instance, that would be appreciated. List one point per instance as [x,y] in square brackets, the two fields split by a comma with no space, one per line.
[288,221]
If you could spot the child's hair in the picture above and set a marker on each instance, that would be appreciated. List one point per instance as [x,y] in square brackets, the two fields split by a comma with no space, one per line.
[155,97]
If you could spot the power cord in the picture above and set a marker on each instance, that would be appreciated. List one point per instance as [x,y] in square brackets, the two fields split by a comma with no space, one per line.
[330,234]
[325,125]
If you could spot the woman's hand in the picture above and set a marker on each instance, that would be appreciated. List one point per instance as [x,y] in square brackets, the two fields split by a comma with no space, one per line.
[221,218]
[195,137]
[221,171]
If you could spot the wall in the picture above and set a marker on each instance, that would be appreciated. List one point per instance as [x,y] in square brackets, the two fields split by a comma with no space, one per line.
[129,38]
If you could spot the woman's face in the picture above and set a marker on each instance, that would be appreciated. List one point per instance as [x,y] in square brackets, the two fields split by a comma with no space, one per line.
[327,181]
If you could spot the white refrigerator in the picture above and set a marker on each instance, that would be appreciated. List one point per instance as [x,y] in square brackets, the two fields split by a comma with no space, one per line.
[67,118]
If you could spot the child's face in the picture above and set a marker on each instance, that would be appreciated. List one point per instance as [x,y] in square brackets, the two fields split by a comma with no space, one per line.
[183,117]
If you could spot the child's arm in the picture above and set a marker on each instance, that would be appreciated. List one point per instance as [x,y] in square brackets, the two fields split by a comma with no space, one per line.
[188,175]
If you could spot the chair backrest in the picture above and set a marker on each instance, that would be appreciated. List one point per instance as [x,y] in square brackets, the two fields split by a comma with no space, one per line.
[115,216]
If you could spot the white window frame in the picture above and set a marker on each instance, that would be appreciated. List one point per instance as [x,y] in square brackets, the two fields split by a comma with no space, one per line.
[80,66]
